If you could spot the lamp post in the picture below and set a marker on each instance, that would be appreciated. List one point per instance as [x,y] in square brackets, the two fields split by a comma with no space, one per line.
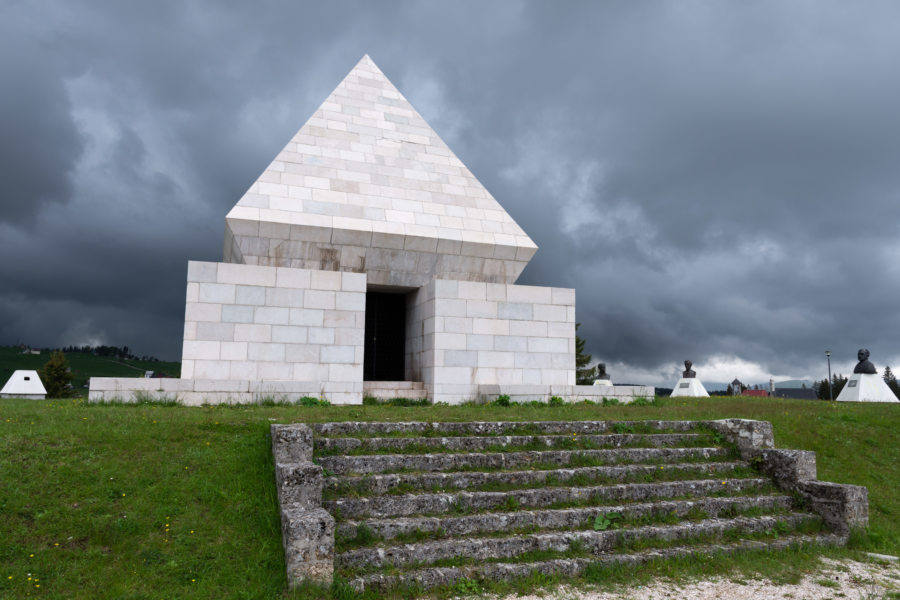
[828,356]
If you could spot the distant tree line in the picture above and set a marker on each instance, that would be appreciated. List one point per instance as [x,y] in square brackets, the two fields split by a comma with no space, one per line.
[838,381]
[123,353]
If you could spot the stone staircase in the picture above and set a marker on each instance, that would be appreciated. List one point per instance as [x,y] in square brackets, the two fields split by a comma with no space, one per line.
[423,505]
[387,390]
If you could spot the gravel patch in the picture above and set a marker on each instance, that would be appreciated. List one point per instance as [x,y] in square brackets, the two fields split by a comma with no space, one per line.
[844,579]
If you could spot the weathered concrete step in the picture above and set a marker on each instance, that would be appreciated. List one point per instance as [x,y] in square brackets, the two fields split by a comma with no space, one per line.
[565,518]
[393,385]
[384,463]
[593,542]
[460,480]
[444,576]
[475,443]
[351,428]
[387,390]
[432,504]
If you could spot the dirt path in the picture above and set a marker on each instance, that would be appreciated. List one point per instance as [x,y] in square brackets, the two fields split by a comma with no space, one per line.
[839,580]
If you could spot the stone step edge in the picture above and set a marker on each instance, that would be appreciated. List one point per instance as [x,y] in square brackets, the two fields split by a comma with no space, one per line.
[381,463]
[475,443]
[380,484]
[596,542]
[442,503]
[394,385]
[442,576]
[562,518]
[347,428]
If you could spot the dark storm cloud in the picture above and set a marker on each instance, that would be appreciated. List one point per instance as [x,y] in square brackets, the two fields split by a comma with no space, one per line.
[716,179]
[40,144]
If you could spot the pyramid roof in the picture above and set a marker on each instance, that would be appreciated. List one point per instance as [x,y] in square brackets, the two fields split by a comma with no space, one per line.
[24,383]
[366,185]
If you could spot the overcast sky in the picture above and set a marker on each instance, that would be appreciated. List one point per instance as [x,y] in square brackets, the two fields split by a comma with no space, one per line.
[718,180]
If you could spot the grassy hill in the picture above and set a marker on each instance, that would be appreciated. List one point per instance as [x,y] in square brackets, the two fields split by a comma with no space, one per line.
[162,501]
[83,366]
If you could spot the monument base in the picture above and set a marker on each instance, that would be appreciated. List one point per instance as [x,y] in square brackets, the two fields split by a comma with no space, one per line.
[602,383]
[689,387]
[866,387]
[197,392]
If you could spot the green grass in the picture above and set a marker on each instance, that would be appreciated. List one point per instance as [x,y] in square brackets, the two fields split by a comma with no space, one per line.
[83,366]
[64,466]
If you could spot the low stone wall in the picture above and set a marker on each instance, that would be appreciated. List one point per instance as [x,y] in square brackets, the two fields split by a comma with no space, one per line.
[307,530]
[569,393]
[195,392]
[841,505]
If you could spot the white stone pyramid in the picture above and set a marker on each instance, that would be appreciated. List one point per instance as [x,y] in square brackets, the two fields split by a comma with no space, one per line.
[24,384]
[367,186]
[689,387]
[866,387]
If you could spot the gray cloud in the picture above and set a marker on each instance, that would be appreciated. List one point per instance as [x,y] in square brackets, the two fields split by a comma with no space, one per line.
[715,179]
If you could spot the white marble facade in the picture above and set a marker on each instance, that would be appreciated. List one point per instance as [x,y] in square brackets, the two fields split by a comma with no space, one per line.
[364,198]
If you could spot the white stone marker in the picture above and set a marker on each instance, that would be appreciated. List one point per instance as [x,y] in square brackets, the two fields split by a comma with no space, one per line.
[866,387]
[24,384]
[689,385]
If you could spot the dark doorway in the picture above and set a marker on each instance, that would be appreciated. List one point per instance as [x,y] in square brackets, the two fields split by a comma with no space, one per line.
[385,337]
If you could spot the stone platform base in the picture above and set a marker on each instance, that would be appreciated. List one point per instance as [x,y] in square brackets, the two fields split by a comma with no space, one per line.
[194,392]
[569,393]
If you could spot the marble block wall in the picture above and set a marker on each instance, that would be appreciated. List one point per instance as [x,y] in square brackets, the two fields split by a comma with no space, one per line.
[247,322]
[462,335]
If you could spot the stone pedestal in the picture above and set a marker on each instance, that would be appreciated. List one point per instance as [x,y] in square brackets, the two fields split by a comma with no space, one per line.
[865,387]
[689,387]
[603,383]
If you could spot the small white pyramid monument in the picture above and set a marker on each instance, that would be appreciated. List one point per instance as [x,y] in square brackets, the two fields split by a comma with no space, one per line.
[689,386]
[24,384]
[866,385]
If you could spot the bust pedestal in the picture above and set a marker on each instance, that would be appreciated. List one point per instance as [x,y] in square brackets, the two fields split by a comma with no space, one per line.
[866,387]
[689,387]
[602,383]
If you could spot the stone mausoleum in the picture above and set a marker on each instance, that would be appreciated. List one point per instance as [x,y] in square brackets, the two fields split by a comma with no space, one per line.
[367,259]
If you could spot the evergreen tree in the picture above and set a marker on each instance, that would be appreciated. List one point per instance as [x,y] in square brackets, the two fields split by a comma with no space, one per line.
[584,375]
[891,380]
[56,376]
[837,383]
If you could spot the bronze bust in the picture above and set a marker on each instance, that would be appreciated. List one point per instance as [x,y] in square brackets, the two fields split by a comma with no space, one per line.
[601,371]
[688,373]
[864,366]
